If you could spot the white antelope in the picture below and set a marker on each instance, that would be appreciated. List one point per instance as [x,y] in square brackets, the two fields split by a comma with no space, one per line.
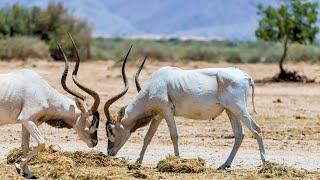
[26,98]
[196,94]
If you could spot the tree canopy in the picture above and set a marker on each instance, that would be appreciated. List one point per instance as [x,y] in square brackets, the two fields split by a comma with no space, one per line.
[293,21]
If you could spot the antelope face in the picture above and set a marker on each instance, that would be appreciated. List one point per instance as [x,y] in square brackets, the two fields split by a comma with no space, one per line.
[87,122]
[117,136]
[87,125]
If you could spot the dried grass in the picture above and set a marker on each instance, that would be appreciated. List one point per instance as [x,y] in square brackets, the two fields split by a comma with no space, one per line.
[53,164]
[272,170]
[180,165]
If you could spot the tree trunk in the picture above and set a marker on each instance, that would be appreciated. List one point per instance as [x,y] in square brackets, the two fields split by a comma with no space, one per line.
[284,54]
[285,75]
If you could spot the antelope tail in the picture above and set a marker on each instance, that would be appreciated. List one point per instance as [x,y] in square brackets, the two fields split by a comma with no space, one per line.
[251,83]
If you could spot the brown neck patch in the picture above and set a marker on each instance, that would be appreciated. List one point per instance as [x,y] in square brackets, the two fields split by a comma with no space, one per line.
[141,123]
[57,123]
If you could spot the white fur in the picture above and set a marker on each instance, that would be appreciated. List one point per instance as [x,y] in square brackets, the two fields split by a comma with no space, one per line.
[26,98]
[195,94]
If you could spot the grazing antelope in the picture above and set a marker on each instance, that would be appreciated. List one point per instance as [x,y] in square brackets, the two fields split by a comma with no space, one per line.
[195,94]
[28,99]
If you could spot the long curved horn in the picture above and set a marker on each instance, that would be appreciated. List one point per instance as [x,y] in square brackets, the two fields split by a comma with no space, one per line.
[65,74]
[95,95]
[123,92]
[136,78]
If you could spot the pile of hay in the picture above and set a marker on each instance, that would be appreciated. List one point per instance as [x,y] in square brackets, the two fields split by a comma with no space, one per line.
[180,165]
[274,170]
[54,164]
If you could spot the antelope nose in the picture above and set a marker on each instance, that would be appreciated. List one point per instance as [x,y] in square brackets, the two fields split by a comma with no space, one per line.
[94,142]
[111,152]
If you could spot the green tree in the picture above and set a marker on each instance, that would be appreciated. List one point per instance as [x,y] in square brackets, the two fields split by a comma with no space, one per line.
[4,26]
[294,21]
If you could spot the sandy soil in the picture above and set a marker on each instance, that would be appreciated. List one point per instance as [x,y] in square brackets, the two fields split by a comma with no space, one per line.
[288,114]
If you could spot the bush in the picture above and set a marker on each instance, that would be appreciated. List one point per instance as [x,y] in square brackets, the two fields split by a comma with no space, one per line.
[233,57]
[191,50]
[197,54]
[49,25]
[23,48]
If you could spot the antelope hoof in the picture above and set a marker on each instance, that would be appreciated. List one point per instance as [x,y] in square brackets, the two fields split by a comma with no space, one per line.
[30,176]
[18,168]
[27,175]
[225,167]
[139,161]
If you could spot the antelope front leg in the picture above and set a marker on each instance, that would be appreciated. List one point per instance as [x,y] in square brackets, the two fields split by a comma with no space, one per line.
[35,133]
[147,139]
[25,137]
[169,117]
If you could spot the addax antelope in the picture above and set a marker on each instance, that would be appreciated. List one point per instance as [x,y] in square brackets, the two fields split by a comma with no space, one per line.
[28,99]
[195,94]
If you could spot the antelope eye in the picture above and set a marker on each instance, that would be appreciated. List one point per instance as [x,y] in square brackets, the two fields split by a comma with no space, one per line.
[109,130]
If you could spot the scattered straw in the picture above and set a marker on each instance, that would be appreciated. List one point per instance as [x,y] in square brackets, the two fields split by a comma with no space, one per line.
[54,164]
[180,165]
[272,170]
[136,171]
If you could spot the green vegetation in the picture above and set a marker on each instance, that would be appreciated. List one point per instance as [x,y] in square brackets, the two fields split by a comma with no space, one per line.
[34,32]
[213,51]
[292,22]
[49,25]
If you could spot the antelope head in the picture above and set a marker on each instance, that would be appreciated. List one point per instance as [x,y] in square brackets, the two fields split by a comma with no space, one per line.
[117,132]
[87,122]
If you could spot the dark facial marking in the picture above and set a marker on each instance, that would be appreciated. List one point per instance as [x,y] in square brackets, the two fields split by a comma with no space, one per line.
[58,123]
[95,121]
[110,144]
[109,130]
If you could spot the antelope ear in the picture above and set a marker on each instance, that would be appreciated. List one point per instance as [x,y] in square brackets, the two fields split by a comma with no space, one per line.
[80,105]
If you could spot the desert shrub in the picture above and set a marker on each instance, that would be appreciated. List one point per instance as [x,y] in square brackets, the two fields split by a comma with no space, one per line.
[191,50]
[233,57]
[154,53]
[200,54]
[23,48]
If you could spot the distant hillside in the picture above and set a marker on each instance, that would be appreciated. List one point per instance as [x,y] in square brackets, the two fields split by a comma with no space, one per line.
[227,19]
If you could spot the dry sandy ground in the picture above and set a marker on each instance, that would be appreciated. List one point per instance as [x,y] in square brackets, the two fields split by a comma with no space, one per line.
[288,114]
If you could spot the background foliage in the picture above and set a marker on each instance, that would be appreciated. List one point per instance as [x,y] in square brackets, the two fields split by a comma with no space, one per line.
[213,51]
[33,32]
[49,25]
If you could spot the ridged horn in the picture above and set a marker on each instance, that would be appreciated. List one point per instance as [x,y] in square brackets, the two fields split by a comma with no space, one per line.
[123,92]
[65,74]
[95,95]
[136,78]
